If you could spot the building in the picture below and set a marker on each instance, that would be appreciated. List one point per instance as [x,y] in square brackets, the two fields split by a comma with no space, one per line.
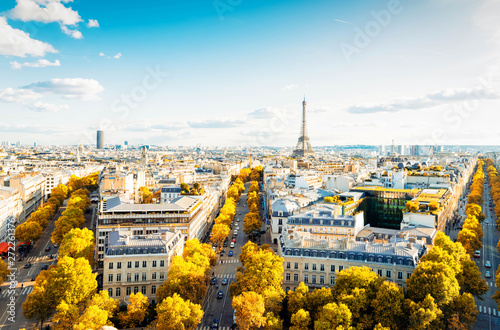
[10,210]
[52,179]
[100,140]
[31,187]
[170,193]
[138,263]
[315,260]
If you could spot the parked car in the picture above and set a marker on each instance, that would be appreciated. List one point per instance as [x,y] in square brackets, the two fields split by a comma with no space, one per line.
[477,254]
[224,281]
[213,280]
[34,278]
[220,295]
[224,244]
[47,248]
[487,264]
[239,213]
[232,245]
[45,267]
[487,274]
[234,240]
[230,253]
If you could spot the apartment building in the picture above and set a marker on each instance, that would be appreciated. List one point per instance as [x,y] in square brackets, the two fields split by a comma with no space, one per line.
[10,209]
[52,179]
[315,260]
[31,188]
[138,263]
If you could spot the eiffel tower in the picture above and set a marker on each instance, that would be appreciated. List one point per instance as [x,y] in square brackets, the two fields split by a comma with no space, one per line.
[303,148]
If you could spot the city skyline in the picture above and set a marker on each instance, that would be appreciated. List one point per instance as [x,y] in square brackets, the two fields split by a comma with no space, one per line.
[215,73]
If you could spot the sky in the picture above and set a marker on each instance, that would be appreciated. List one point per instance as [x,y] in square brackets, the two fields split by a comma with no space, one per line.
[235,72]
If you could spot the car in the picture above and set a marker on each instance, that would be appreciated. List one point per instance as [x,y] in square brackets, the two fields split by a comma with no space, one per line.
[215,325]
[262,231]
[45,267]
[51,256]
[224,244]
[487,264]
[213,281]
[234,240]
[232,245]
[239,213]
[237,219]
[27,265]
[491,209]
[33,278]
[477,254]
[220,294]
[47,248]
[230,253]
[487,274]
[56,246]
[237,227]
[214,248]
[224,281]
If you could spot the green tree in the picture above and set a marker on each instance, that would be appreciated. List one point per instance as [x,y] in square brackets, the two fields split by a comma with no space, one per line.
[176,313]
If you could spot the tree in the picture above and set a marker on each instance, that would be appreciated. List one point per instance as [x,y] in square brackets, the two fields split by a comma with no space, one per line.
[423,314]
[251,223]
[81,202]
[273,322]
[176,313]
[194,248]
[4,271]
[317,299]
[60,192]
[300,320]
[233,193]
[74,183]
[184,187]
[136,311]
[388,305]
[219,234]
[464,308]
[297,299]
[78,243]
[146,195]
[434,279]
[249,308]
[469,240]
[333,316]
[63,226]
[471,281]
[40,303]
[28,231]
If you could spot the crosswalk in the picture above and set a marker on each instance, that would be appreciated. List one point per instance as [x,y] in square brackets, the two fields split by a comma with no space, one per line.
[35,258]
[206,327]
[491,284]
[20,291]
[228,276]
[229,261]
[488,310]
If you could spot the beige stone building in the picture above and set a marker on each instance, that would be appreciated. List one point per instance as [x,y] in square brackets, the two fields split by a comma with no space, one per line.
[138,263]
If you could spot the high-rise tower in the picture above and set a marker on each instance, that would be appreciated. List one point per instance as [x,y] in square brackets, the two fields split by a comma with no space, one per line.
[100,140]
[303,148]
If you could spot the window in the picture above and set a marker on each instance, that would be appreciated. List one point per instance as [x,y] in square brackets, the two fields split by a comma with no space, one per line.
[388,274]
[136,277]
[408,275]
[153,289]
[136,289]
[379,272]
[162,275]
[321,279]
[332,280]
[144,276]
[296,265]
[129,264]
[287,265]
[280,222]
[340,268]
[322,267]
[314,279]
[118,292]
[332,268]
[295,277]
[110,292]
[129,277]
[144,264]
[128,291]
[119,265]
[110,278]
[110,265]
[287,277]
[137,264]
[153,276]
[143,290]
[400,275]
[314,266]
[306,266]
[306,278]
[118,277]
[154,263]
[162,263]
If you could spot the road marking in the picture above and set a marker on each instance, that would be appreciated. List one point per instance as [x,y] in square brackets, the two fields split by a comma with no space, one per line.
[480,309]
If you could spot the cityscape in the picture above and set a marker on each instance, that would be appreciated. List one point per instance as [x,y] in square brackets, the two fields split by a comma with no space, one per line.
[230,164]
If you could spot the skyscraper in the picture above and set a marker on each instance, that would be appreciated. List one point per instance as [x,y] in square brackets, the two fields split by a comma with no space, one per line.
[303,148]
[100,139]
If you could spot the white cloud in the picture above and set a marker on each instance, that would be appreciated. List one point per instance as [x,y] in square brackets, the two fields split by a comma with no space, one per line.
[101,54]
[75,34]
[15,42]
[118,55]
[92,23]
[38,64]
[45,11]
[18,95]
[426,101]
[48,107]
[289,87]
[217,123]
[78,88]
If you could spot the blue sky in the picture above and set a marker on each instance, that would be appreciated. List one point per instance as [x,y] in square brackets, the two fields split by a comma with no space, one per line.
[234,72]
